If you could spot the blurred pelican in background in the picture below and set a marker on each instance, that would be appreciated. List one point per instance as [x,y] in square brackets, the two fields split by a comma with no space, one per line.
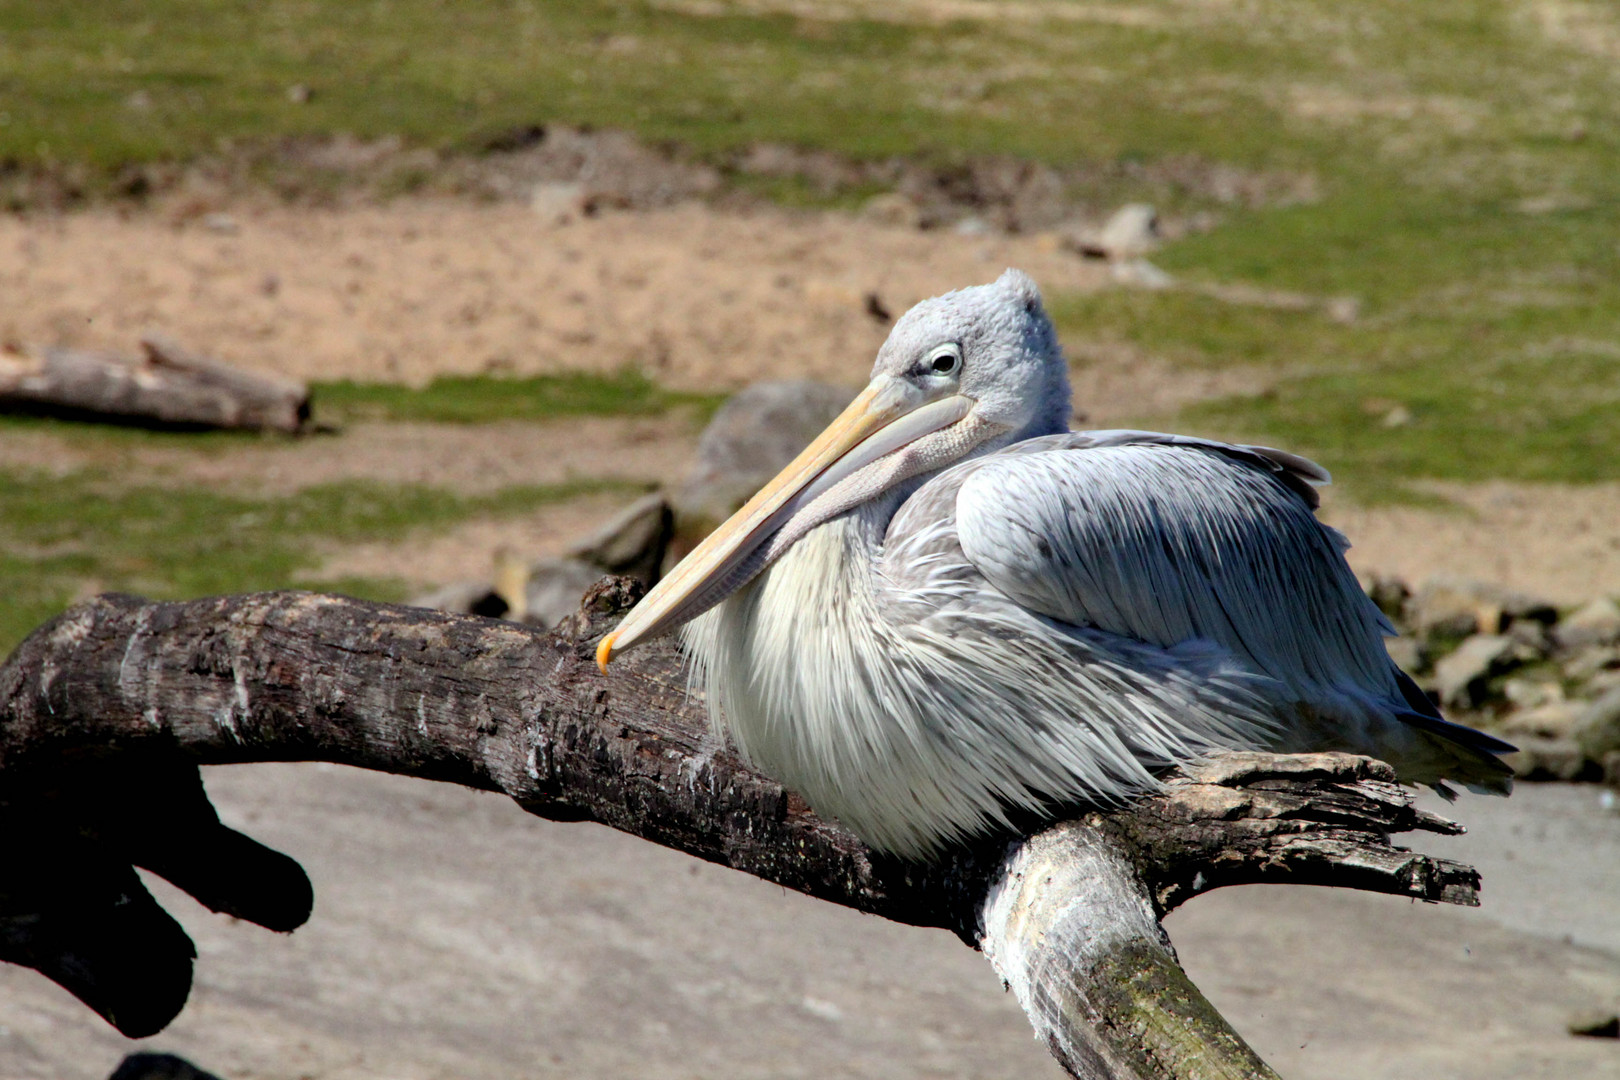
[950,607]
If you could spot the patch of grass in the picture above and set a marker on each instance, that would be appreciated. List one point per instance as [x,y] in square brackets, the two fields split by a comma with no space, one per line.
[66,536]
[468,399]
[1487,344]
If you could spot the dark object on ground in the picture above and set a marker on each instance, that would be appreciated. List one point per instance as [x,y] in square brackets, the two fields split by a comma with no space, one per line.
[1598,1025]
[168,387]
[106,712]
[158,1067]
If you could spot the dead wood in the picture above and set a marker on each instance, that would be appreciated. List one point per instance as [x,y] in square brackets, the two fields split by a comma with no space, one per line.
[167,387]
[106,712]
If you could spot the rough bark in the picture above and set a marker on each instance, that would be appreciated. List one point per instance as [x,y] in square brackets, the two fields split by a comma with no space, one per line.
[106,712]
[167,387]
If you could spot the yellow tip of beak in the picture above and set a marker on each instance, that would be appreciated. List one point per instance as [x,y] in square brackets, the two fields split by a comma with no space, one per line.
[604,653]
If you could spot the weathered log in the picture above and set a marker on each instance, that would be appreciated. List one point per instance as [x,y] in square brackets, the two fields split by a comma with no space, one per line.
[167,386]
[106,712]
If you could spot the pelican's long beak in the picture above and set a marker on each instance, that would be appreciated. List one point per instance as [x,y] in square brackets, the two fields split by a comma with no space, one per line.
[883,418]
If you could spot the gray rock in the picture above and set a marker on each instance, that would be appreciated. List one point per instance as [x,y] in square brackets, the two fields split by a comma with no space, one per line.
[1460,677]
[892,209]
[555,587]
[1456,606]
[1596,623]
[1598,1024]
[1597,730]
[1588,662]
[460,596]
[1531,641]
[1551,720]
[1450,607]
[148,1066]
[1132,232]
[1531,693]
[557,202]
[1140,273]
[753,436]
[1601,683]
[632,542]
[1551,759]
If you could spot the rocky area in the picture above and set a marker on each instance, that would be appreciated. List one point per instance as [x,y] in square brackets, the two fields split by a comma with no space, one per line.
[1544,677]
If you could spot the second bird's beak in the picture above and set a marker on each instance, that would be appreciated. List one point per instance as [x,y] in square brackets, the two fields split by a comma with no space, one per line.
[884,417]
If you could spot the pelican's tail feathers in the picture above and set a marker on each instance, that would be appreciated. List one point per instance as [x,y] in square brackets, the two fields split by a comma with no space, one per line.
[1450,751]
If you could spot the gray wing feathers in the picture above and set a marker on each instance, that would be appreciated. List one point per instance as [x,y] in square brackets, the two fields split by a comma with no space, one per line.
[1300,475]
[1166,539]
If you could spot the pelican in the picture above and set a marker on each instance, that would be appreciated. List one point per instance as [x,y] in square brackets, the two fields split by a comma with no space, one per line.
[950,608]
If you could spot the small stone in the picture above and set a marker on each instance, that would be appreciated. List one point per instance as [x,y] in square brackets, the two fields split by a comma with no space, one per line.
[150,1066]
[1456,606]
[1531,641]
[1601,683]
[1531,693]
[223,224]
[1398,417]
[1408,654]
[631,543]
[1130,233]
[972,226]
[893,209]
[1550,759]
[1588,662]
[1550,720]
[1142,274]
[1600,1024]
[299,94]
[1460,677]
[1343,309]
[558,203]
[1596,623]
[461,597]
[1388,593]
[1598,728]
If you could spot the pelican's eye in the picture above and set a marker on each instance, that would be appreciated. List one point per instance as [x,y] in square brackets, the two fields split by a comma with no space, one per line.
[946,361]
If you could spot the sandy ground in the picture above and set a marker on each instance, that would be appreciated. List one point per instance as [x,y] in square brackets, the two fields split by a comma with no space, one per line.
[456,937]
[1561,542]
[414,289]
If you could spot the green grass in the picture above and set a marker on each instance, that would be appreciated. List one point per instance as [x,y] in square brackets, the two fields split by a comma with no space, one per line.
[63,536]
[1496,331]
[469,399]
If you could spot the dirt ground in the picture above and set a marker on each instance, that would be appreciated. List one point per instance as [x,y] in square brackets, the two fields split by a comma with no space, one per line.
[412,289]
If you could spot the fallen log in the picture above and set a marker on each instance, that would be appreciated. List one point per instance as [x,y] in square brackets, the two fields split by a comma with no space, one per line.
[168,386]
[107,712]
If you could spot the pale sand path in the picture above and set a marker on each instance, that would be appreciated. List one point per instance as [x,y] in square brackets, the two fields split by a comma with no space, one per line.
[456,938]
[417,288]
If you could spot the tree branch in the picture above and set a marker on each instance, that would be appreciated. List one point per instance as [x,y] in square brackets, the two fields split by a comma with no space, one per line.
[106,712]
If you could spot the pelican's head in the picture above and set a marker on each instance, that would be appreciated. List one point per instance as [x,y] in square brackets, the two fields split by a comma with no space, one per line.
[960,375]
